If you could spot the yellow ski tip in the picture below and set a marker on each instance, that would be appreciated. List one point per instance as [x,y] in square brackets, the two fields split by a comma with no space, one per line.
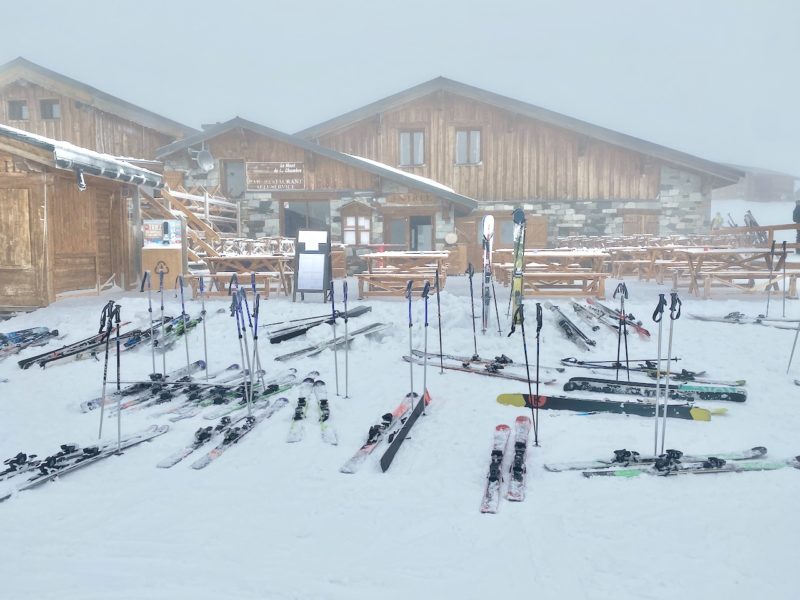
[511,400]
[700,414]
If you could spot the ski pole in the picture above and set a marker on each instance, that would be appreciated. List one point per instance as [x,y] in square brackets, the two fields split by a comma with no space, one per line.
[439,313]
[184,320]
[794,345]
[117,319]
[106,324]
[256,357]
[519,317]
[771,266]
[783,314]
[658,316]
[674,315]
[496,311]
[146,280]
[410,285]
[425,292]
[163,331]
[242,309]
[539,322]
[333,323]
[203,319]
[470,273]
[622,289]
[235,314]
[346,344]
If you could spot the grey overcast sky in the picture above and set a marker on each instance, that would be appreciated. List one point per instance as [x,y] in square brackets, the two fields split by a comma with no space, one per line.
[715,78]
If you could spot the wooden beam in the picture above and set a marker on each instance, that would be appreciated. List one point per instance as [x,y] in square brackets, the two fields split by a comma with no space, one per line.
[190,216]
[196,238]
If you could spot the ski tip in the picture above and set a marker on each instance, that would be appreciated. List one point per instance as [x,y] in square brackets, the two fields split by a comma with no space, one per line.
[700,414]
[511,400]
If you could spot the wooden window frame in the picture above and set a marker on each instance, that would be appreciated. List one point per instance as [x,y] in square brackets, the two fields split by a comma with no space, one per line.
[23,104]
[468,131]
[411,132]
[50,103]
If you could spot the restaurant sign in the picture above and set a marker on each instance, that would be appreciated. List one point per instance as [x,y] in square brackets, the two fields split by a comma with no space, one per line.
[274,176]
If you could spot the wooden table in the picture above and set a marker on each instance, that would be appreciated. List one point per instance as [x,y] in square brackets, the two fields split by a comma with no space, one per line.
[725,259]
[281,264]
[388,272]
[555,272]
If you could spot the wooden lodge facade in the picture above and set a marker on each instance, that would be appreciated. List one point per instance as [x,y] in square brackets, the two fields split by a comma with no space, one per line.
[570,176]
[286,183]
[64,222]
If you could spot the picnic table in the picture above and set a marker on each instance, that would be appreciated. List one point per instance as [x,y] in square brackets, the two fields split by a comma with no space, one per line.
[748,263]
[279,266]
[573,272]
[388,272]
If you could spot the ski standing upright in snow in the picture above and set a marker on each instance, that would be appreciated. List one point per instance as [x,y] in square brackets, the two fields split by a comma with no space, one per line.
[487,287]
[515,299]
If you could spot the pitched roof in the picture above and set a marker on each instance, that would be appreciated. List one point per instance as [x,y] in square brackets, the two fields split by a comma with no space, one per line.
[385,171]
[442,84]
[70,157]
[21,68]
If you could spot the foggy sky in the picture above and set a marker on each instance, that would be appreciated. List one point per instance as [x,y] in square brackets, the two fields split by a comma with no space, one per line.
[719,79]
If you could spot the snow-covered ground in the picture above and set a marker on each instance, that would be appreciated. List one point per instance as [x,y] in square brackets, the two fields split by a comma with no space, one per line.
[271,520]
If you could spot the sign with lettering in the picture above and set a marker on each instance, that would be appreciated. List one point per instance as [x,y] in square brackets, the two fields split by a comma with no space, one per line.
[275,176]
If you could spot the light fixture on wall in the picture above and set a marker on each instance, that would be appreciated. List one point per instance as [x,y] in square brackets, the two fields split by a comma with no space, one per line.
[80,180]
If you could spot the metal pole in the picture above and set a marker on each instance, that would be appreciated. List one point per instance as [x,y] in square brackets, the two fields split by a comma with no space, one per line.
[335,351]
[106,323]
[470,273]
[346,345]
[785,256]
[410,285]
[117,320]
[235,314]
[658,317]
[539,322]
[203,318]
[241,311]
[771,267]
[794,345]
[674,315]
[439,313]
[185,321]
[425,292]
[163,330]
[146,280]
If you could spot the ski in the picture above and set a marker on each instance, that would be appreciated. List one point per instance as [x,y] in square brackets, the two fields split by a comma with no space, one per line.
[681,391]
[376,434]
[737,318]
[327,431]
[588,317]
[494,478]
[518,217]
[626,458]
[231,401]
[502,361]
[201,437]
[290,331]
[89,455]
[338,341]
[487,241]
[296,429]
[630,321]
[22,335]
[571,331]
[634,407]
[17,341]
[710,465]
[490,370]
[396,440]
[237,430]
[518,469]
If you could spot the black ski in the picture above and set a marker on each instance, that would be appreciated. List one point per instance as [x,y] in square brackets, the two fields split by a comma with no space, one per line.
[398,439]
[682,391]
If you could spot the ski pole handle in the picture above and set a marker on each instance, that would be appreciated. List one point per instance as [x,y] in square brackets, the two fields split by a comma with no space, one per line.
[253,282]
[160,280]
[675,306]
[426,290]
[621,288]
[409,285]
[332,296]
[772,251]
[256,304]
[344,299]
[234,280]
[658,314]
[105,315]
[146,280]
[539,319]
[202,285]
[783,245]
[470,270]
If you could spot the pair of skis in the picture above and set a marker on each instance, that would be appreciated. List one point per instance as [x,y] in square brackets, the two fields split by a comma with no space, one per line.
[517,469]
[298,327]
[337,341]
[489,368]
[571,331]
[297,427]
[15,342]
[630,458]
[687,392]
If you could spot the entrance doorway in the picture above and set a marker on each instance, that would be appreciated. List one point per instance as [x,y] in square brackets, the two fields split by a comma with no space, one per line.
[302,214]
[421,233]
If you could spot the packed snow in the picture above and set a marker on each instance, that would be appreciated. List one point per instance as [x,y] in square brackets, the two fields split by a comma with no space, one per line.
[275,520]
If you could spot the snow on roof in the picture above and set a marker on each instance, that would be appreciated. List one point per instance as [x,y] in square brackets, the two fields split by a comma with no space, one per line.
[419,178]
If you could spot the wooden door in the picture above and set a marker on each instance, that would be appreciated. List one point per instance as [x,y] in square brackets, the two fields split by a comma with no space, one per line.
[22,257]
[636,223]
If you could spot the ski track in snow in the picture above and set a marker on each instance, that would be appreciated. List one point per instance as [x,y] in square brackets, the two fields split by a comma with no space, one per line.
[275,520]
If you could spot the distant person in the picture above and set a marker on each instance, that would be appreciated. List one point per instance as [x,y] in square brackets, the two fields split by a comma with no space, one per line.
[716,222]
[796,219]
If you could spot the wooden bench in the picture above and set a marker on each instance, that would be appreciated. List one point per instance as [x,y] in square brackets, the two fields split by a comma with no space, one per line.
[621,268]
[217,284]
[394,284]
[565,283]
[729,278]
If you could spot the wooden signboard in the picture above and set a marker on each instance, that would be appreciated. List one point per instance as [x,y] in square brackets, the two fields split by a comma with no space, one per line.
[312,267]
[275,176]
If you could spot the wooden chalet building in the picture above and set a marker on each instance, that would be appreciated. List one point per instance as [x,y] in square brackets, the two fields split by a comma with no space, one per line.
[759,185]
[570,176]
[42,101]
[285,183]
[64,219]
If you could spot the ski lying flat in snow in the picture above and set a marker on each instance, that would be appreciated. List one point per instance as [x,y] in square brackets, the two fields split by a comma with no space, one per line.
[398,439]
[88,456]
[296,428]
[494,478]
[683,391]
[232,401]
[571,331]
[518,469]
[615,314]
[290,331]
[737,318]
[327,431]
[16,342]
[237,430]
[639,408]
[338,341]
[502,360]
[376,434]
[201,437]
[625,458]
[491,370]
[24,463]
[711,465]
